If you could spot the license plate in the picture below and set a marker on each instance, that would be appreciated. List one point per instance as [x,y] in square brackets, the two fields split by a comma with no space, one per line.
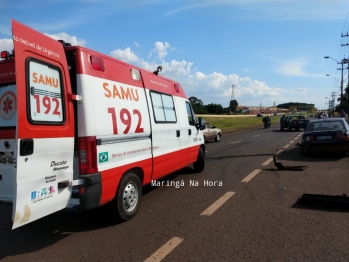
[323,137]
[300,122]
[6,159]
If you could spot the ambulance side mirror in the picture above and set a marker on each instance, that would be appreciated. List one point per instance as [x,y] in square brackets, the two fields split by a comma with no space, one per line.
[200,125]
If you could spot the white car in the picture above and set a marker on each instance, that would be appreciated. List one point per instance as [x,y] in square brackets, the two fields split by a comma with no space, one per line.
[211,132]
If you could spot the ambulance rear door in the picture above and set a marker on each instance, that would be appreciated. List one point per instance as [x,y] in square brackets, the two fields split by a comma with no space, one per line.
[45,127]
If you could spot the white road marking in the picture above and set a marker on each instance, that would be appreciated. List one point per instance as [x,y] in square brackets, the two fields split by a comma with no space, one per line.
[250,176]
[291,141]
[163,251]
[267,162]
[278,152]
[235,142]
[209,211]
[257,135]
[286,146]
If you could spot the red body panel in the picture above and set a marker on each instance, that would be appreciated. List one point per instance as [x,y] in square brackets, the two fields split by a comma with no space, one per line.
[8,134]
[111,177]
[25,37]
[116,70]
[8,73]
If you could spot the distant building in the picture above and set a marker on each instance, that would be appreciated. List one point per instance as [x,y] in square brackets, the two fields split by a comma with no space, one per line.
[245,110]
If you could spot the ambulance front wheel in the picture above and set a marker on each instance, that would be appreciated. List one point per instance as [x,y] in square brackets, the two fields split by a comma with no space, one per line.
[199,164]
[128,197]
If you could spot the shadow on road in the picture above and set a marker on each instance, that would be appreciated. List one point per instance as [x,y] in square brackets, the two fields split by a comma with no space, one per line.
[295,154]
[237,156]
[53,228]
[48,230]
[321,205]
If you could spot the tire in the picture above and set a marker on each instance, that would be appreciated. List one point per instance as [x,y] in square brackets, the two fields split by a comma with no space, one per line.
[128,197]
[282,128]
[199,164]
[217,138]
[304,152]
[289,128]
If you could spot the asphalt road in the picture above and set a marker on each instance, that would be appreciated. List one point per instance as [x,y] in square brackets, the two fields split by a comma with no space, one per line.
[240,208]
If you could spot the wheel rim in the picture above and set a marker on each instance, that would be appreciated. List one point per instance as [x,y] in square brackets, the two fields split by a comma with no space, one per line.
[130,197]
[217,137]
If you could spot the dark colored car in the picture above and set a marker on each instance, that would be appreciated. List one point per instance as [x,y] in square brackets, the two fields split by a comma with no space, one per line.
[330,135]
[295,122]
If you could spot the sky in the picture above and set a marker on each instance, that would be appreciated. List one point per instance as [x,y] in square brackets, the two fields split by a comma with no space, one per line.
[258,52]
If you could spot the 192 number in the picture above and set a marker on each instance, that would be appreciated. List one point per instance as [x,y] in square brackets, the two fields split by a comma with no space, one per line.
[126,119]
[46,102]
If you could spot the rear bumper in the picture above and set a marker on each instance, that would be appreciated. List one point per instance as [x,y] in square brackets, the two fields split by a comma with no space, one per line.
[90,192]
[299,126]
[325,148]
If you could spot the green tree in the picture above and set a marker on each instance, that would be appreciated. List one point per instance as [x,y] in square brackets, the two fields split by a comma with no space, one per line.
[344,105]
[197,105]
[214,108]
[233,105]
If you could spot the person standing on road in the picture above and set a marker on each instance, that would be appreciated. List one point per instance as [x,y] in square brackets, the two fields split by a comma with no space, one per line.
[282,121]
[342,113]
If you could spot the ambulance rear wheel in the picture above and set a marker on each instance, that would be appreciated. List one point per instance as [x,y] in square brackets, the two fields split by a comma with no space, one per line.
[199,164]
[128,197]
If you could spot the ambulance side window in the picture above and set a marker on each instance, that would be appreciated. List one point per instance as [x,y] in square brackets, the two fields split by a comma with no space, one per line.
[163,108]
[191,116]
[45,93]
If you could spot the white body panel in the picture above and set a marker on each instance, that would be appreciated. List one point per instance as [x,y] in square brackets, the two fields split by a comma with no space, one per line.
[37,177]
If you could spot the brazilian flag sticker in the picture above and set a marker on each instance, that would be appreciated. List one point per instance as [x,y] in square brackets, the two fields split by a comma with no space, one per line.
[103,157]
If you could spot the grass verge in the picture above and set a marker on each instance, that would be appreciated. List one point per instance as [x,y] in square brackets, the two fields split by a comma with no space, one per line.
[232,124]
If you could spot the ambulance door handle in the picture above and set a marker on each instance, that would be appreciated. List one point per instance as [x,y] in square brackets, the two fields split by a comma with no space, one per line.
[26,147]
[178,133]
[189,132]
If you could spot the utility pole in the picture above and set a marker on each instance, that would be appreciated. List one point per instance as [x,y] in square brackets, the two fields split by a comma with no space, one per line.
[231,97]
[333,94]
[232,86]
[342,82]
[347,44]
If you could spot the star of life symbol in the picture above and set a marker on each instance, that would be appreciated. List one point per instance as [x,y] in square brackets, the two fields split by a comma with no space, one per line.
[8,106]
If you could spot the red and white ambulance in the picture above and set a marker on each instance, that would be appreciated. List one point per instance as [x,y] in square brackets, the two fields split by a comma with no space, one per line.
[75,120]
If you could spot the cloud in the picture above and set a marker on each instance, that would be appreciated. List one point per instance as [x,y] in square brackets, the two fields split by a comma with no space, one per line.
[6,44]
[295,67]
[73,40]
[160,49]
[270,10]
[215,87]
[125,55]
